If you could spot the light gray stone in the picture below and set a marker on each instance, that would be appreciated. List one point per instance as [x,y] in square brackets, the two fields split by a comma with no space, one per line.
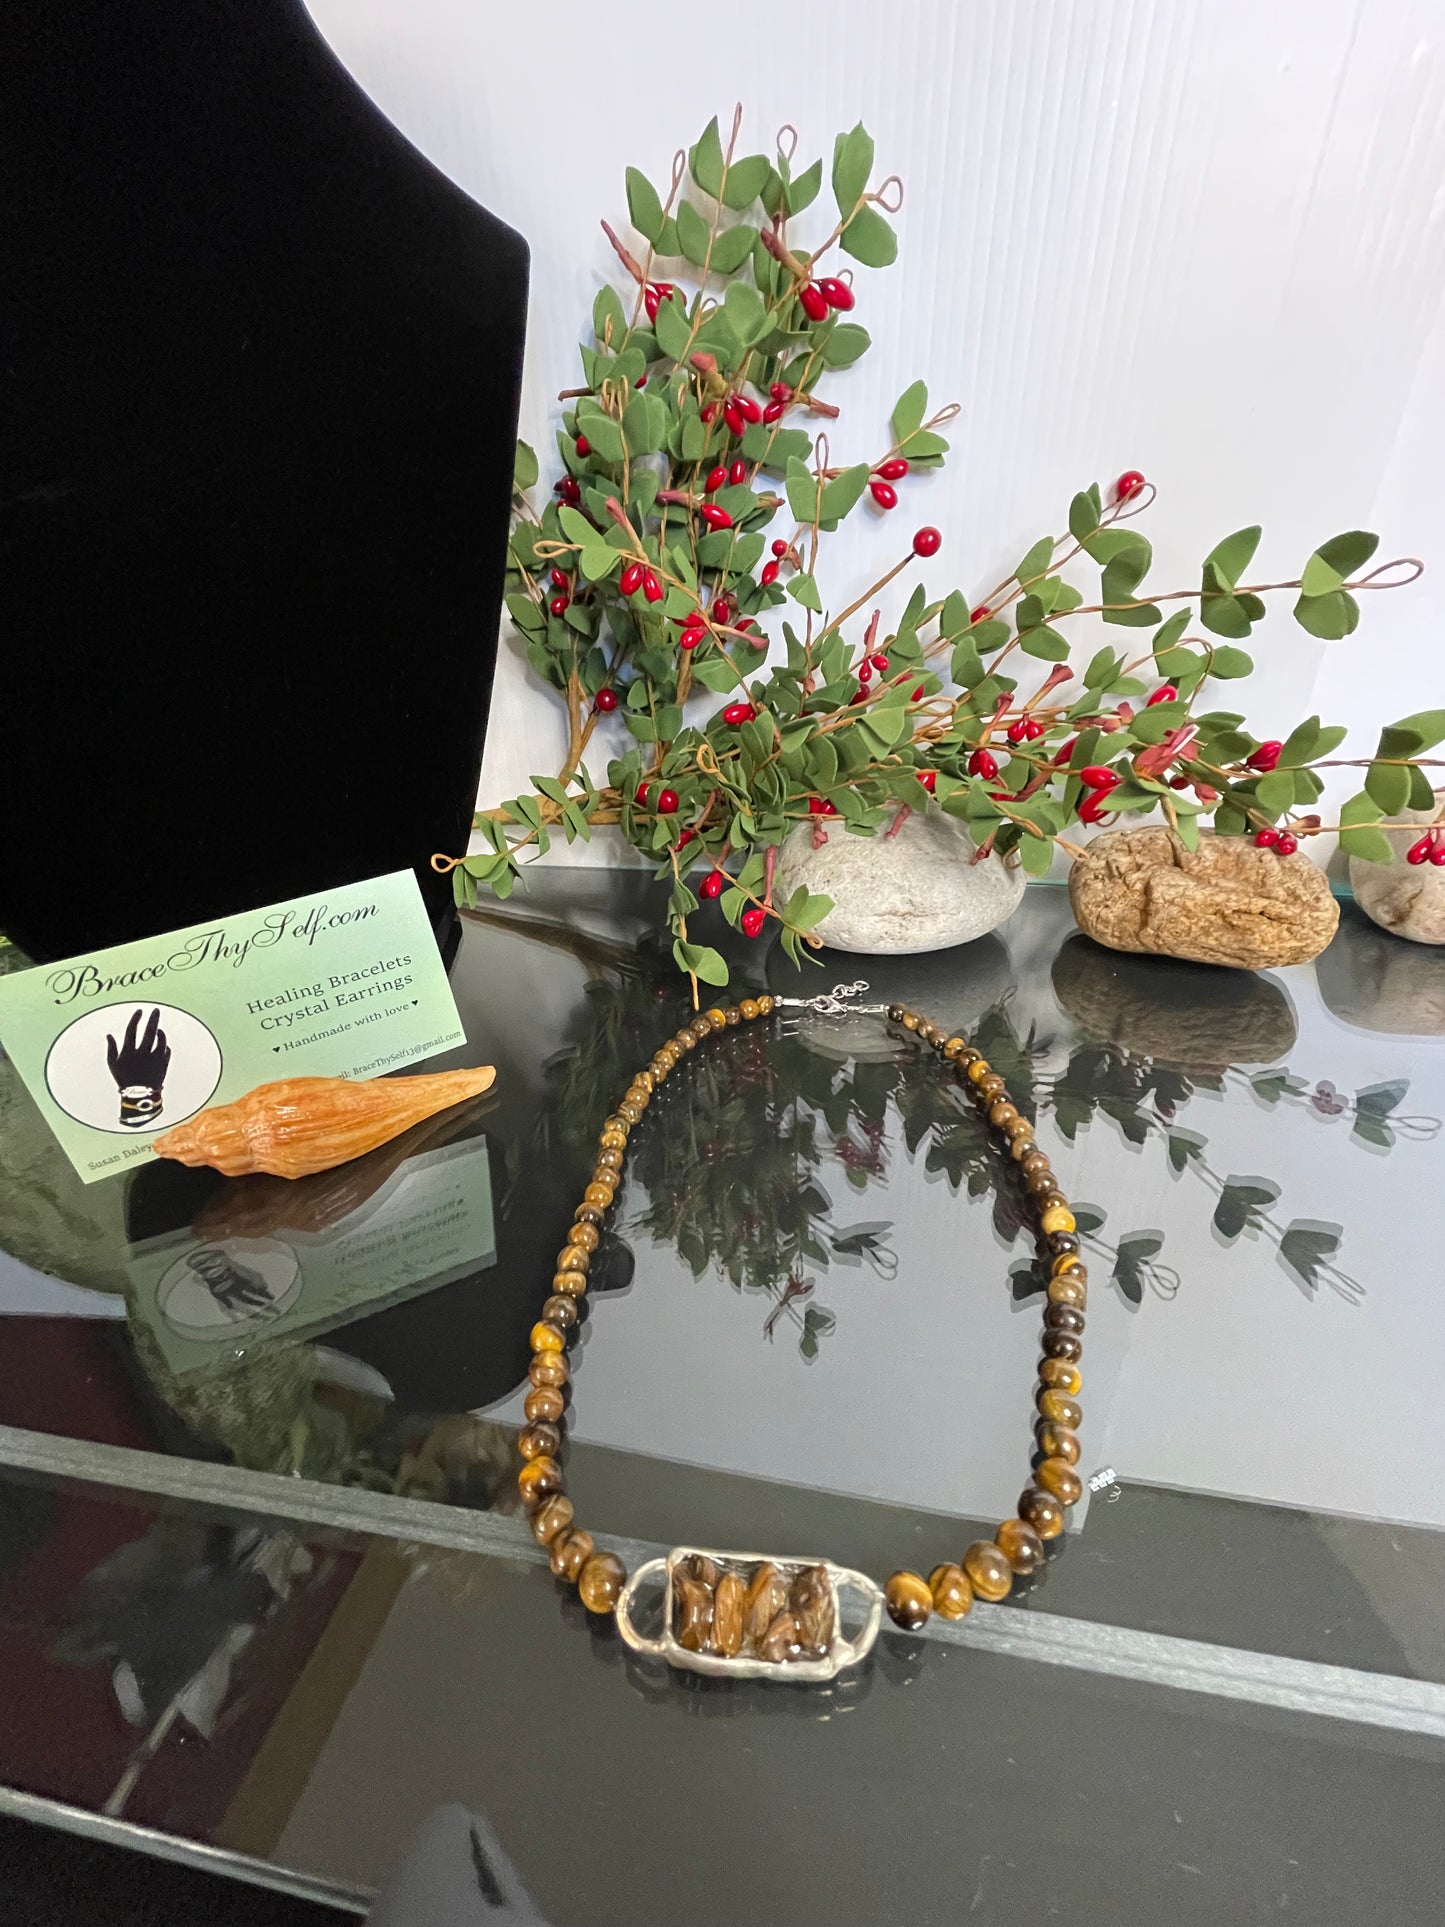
[1407,899]
[892,895]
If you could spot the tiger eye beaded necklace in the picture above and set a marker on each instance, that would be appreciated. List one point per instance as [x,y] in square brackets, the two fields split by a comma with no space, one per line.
[732,1613]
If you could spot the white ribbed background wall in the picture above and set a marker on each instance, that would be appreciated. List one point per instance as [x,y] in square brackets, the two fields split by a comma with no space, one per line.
[1201,237]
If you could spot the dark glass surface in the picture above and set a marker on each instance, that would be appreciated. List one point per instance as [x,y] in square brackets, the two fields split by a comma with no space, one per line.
[814,1322]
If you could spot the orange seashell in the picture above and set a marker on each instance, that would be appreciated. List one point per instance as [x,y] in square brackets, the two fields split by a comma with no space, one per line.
[305,1124]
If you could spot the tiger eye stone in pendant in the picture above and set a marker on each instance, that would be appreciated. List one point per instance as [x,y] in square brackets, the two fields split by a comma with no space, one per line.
[909,1600]
[810,1600]
[766,1595]
[781,1642]
[727,1615]
[692,1609]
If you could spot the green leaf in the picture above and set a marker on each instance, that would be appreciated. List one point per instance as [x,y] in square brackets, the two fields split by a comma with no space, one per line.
[1045,643]
[643,205]
[1328,616]
[701,961]
[804,589]
[842,493]
[1121,545]
[1083,515]
[1273,794]
[524,467]
[1226,615]
[602,431]
[674,331]
[802,190]
[1343,554]
[844,344]
[1036,561]
[1318,578]
[732,247]
[1412,734]
[1171,631]
[745,181]
[1299,745]
[693,233]
[909,410]
[802,487]
[745,311]
[1227,663]
[1361,808]
[1233,555]
[1389,785]
[1371,844]
[869,239]
[706,160]
[1036,853]
[1422,796]
[852,164]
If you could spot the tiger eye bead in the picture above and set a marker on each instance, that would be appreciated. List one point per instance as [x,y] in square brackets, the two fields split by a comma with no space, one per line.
[717,1016]
[569,1284]
[586,1237]
[1063,1318]
[1063,1374]
[570,1553]
[543,1404]
[1021,1147]
[545,1338]
[749,1008]
[1069,1289]
[549,1368]
[909,1601]
[952,1594]
[979,1069]
[599,1194]
[1042,1511]
[1060,1478]
[613,1137]
[968,1055]
[1020,1545]
[609,1159]
[587,1214]
[1033,1163]
[574,1257]
[633,1113]
[929,1031]
[539,1441]
[552,1518]
[560,1311]
[1057,1442]
[733,1014]
[684,1040]
[991,1087]
[766,1006]
[1069,1261]
[1060,1409]
[1063,1345]
[1059,1241]
[952,1046]
[895,1013]
[1002,1114]
[989,1572]
[1058,1217]
[601,1581]
[911,1021]
[644,1078]
[1042,1185]
[538,1480]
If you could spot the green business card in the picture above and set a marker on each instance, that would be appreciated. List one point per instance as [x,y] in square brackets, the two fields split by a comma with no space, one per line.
[126,1043]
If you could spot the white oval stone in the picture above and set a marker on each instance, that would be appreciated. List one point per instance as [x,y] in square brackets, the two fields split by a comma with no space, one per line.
[1407,899]
[917,890]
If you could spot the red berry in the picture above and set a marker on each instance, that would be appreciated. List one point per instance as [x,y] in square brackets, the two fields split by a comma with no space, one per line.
[780,391]
[651,587]
[667,802]
[1265,757]
[859,696]
[738,472]
[750,410]
[739,713]
[1018,731]
[894,469]
[1091,809]
[815,302]
[584,447]
[569,490]
[1266,839]
[558,604]
[1179,782]
[1129,483]
[708,411]
[715,478]
[690,638]
[733,416]
[686,838]
[865,672]
[1422,851]
[927,542]
[715,517]
[880,663]
[1166,693]
[605,700]
[917,696]
[753,919]
[820,806]
[1065,750]
[983,764]
[1287,844]
[836,293]
[642,381]
[1098,776]
[1033,729]
[561,579]
[780,548]
[883,493]
[745,624]
[1437,856]
[774,411]
[641,797]
[928,777]
[722,608]
[769,573]
[713,884]
[980,614]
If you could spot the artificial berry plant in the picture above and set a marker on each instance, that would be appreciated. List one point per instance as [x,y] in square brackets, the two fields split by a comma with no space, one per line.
[645,585]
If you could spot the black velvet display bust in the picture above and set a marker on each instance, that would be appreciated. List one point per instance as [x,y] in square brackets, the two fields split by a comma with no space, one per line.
[258,394]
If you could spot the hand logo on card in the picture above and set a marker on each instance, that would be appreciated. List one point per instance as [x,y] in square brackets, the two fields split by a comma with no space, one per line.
[139,1068]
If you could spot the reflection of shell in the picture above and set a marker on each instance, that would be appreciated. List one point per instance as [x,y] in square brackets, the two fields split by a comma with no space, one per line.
[306,1124]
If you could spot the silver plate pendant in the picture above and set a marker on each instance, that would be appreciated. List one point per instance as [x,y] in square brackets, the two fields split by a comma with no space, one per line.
[794,1600]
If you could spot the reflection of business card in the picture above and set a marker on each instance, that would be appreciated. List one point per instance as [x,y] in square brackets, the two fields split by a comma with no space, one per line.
[122,1045]
[210,1299]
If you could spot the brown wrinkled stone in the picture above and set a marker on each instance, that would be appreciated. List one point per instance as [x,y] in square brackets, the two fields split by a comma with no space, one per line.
[1224,903]
[692,1612]
[810,1600]
[727,1616]
[781,1642]
[765,1598]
